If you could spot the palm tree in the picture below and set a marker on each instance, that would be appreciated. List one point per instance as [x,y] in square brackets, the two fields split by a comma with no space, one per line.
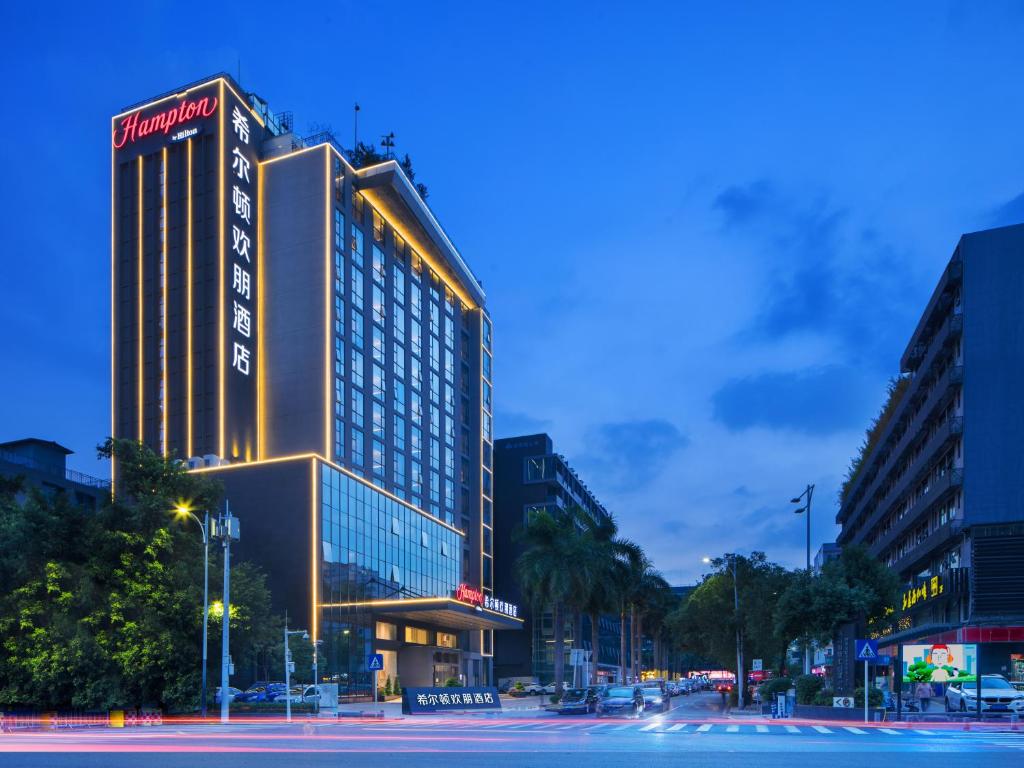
[553,570]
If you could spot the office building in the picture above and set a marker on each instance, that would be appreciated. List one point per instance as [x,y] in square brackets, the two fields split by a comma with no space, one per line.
[938,496]
[306,331]
[531,476]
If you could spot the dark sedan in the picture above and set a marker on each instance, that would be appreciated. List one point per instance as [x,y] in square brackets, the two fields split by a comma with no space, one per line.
[655,699]
[578,701]
[621,701]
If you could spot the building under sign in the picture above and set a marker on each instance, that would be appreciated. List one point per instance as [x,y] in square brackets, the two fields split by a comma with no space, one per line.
[307,332]
[939,497]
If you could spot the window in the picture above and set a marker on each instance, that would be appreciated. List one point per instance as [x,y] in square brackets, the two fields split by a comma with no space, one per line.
[357,408]
[487,333]
[416,375]
[357,445]
[449,333]
[416,338]
[356,282]
[378,227]
[386,631]
[399,361]
[417,636]
[379,271]
[417,478]
[379,386]
[399,433]
[435,319]
[357,245]
[399,396]
[398,324]
[357,328]
[435,487]
[339,230]
[378,458]
[417,442]
[435,388]
[487,366]
[416,303]
[378,345]
[357,368]
[449,399]
[435,421]
[435,354]
[416,409]
[487,396]
[378,420]
[378,305]
[447,640]
[398,278]
[398,469]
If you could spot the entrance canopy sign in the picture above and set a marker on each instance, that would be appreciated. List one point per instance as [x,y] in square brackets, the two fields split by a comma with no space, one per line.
[422,701]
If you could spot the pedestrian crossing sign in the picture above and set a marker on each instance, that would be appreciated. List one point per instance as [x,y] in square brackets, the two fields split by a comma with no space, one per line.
[867,650]
[375,662]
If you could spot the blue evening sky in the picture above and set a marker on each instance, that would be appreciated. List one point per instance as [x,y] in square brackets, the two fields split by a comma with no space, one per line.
[705,230]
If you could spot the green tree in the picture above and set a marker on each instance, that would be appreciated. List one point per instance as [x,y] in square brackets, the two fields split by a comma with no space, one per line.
[553,571]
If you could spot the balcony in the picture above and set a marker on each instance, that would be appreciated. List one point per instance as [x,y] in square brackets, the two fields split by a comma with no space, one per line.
[920,510]
[943,434]
[950,329]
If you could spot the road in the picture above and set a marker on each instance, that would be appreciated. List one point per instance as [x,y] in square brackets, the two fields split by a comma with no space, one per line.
[693,729]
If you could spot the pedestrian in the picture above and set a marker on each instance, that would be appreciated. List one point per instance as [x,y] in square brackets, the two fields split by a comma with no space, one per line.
[924,695]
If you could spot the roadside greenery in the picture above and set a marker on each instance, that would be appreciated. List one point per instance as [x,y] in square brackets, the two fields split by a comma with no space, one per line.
[103,609]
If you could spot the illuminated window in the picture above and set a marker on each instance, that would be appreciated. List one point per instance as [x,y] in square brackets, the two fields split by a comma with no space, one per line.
[379,311]
[386,631]
[446,640]
[378,265]
[378,227]
[417,265]
[357,246]
[417,635]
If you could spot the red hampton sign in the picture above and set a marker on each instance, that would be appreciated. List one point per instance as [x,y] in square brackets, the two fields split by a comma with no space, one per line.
[468,594]
[135,127]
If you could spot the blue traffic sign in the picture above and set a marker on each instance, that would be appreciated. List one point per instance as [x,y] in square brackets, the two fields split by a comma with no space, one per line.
[375,662]
[867,650]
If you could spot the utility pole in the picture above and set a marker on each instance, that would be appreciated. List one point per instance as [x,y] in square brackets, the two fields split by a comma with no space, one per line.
[740,682]
[289,667]
[227,530]
[206,605]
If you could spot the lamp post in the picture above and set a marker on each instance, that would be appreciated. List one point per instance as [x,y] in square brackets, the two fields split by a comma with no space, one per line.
[289,665]
[227,530]
[183,511]
[808,493]
[316,677]
[740,682]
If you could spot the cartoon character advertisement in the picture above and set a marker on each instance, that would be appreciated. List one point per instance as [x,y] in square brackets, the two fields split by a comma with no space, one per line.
[939,663]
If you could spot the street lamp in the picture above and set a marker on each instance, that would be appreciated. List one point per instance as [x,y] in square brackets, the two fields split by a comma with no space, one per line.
[316,676]
[183,512]
[808,494]
[289,665]
[740,682]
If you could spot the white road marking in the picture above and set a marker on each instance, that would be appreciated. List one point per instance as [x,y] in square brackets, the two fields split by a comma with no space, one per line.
[857,731]
[564,727]
[792,729]
[623,727]
[732,729]
[890,731]
[676,727]
[821,729]
[651,727]
[704,728]
[923,732]
[761,728]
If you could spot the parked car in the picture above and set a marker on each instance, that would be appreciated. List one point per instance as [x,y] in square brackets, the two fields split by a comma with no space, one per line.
[997,695]
[310,694]
[232,693]
[251,694]
[505,687]
[295,695]
[274,690]
[655,699]
[621,701]
[548,689]
[578,701]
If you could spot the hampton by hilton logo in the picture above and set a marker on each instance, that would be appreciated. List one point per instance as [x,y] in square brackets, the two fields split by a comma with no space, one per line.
[132,127]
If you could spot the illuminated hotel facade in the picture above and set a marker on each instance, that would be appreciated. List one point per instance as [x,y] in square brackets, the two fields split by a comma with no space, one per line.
[307,333]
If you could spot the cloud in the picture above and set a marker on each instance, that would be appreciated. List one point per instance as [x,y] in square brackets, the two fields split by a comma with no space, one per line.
[815,401]
[822,270]
[626,456]
[1010,212]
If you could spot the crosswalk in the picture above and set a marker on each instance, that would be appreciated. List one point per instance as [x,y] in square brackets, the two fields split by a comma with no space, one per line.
[659,726]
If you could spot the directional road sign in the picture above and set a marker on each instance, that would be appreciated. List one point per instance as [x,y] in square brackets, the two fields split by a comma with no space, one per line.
[375,662]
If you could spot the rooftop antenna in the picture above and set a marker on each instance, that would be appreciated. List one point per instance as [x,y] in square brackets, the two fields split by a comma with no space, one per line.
[355,126]
[388,142]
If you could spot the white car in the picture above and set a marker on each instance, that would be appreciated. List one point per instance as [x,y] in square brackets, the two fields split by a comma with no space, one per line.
[997,695]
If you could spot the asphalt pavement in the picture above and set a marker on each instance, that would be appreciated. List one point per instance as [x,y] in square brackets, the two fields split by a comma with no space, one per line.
[695,729]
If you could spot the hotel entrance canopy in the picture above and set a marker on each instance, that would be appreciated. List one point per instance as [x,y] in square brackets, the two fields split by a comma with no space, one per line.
[442,611]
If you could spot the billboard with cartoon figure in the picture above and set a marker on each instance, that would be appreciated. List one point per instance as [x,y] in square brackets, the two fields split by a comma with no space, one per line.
[939,663]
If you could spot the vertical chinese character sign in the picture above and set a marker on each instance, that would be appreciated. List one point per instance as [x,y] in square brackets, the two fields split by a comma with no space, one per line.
[242,134]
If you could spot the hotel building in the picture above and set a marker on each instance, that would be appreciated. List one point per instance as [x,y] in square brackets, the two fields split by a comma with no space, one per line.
[306,332]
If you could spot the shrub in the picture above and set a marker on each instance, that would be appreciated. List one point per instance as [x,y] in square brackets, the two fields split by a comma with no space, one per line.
[451,682]
[772,688]
[875,697]
[519,685]
[387,686]
[807,687]
[823,698]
